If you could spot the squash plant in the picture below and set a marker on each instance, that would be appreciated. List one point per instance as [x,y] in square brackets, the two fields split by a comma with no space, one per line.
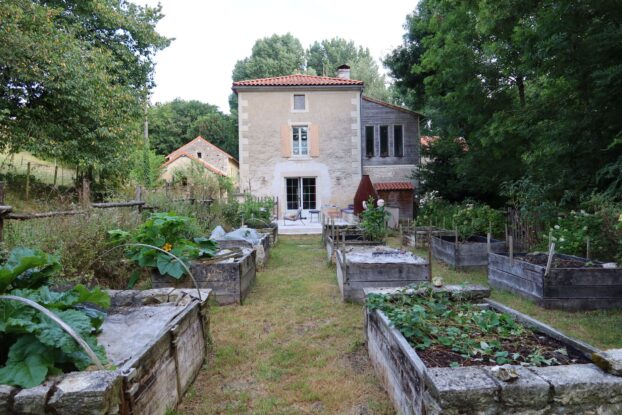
[32,346]
[169,232]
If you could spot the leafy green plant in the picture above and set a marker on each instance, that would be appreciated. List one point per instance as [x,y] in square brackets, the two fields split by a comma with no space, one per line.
[472,219]
[256,211]
[169,232]
[374,221]
[31,345]
[572,231]
[430,319]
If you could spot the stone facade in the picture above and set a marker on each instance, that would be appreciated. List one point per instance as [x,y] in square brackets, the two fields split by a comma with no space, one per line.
[266,119]
[203,152]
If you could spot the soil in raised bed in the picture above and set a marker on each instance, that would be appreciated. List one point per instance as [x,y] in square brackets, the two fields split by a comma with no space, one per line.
[558,261]
[441,356]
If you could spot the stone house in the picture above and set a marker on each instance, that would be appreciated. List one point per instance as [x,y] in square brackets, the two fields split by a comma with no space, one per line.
[202,153]
[309,139]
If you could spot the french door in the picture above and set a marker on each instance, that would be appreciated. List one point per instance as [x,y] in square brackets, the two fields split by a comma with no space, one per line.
[301,192]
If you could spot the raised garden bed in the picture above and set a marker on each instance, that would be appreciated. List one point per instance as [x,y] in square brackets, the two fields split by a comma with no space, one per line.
[230,280]
[468,254]
[365,267]
[353,238]
[157,341]
[419,237]
[262,249]
[272,231]
[572,283]
[418,384]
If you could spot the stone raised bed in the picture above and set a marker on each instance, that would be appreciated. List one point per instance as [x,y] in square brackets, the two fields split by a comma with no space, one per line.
[262,249]
[568,288]
[156,339]
[367,267]
[353,238]
[272,231]
[472,253]
[416,389]
[230,280]
[419,236]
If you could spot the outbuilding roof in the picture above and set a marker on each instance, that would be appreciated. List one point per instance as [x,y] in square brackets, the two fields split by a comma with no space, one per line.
[394,186]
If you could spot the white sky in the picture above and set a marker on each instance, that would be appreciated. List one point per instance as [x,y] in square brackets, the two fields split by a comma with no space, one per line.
[212,35]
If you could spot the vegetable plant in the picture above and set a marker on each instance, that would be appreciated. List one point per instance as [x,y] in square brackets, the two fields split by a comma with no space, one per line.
[431,320]
[31,345]
[256,213]
[472,219]
[169,232]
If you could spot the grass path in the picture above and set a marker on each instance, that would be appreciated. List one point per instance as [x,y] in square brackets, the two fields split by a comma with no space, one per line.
[293,348]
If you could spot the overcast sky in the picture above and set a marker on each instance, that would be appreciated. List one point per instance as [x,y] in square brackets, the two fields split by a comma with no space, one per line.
[210,36]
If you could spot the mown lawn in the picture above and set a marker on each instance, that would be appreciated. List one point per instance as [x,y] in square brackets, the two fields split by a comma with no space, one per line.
[600,328]
[293,348]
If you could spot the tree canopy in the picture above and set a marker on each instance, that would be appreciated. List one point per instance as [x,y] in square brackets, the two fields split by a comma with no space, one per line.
[174,123]
[533,87]
[74,76]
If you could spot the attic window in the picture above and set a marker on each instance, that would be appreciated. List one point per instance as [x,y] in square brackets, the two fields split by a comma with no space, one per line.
[199,155]
[299,102]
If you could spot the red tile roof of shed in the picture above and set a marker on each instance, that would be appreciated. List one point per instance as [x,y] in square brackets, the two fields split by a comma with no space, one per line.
[394,186]
[298,80]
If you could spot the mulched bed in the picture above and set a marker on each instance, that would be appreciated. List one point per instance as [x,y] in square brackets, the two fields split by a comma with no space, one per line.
[441,356]
[558,261]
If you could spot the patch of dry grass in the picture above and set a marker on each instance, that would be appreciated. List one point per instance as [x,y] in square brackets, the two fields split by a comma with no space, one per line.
[293,348]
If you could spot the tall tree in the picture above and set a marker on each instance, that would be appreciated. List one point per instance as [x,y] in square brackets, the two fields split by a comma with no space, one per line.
[73,78]
[174,123]
[323,58]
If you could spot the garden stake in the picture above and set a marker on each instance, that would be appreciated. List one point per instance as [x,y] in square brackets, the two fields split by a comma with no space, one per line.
[488,242]
[430,252]
[549,261]
[587,247]
[550,237]
[511,250]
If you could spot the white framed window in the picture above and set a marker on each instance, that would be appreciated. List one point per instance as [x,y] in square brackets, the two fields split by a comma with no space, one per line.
[299,102]
[300,140]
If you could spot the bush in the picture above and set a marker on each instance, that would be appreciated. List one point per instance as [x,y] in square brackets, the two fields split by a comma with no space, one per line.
[471,219]
[435,211]
[374,221]
[254,210]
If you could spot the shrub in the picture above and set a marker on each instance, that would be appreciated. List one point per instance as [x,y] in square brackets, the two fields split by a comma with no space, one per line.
[254,210]
[435,211]
[471,219]
[374,221]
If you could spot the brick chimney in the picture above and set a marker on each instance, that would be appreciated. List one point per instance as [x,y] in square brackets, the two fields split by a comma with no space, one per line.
[343,72]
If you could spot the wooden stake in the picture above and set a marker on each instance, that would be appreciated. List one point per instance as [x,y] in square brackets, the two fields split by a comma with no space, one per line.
[511,249]
[429,253]
[587,248]
[28,181]
[549,261]
[55,174]
[139,197]
[488,237]
[1,214]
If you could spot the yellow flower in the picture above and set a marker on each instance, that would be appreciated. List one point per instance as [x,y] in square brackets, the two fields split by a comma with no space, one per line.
[167,247]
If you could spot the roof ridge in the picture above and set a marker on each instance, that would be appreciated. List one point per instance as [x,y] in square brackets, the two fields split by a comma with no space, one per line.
[191,157]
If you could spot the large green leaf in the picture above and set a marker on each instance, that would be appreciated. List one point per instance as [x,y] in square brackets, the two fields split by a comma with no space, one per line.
[28,363]
[28,268]
[169,266]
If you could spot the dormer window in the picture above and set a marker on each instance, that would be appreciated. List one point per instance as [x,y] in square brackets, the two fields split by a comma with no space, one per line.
[299,102]
[199,155]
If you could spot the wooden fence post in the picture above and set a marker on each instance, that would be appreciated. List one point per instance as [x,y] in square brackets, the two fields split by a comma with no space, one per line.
[28,181]
[139,197]
[85,194]
[1,213]
[55,174]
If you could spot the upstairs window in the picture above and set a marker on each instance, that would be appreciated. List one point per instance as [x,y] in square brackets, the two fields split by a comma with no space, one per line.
[369,140]
[300,141]
[299,103]
[398,141]
[199,155]
[384,141]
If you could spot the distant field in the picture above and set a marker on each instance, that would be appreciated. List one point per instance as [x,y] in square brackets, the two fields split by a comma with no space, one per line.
[43,170]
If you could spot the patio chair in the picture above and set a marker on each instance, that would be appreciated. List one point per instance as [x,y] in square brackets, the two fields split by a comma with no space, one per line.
[293,218]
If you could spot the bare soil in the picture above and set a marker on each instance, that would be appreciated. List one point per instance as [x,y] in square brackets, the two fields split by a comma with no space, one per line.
[558,261]
[441,356]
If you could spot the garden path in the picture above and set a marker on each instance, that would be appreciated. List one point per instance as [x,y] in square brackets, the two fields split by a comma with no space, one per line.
[293,348]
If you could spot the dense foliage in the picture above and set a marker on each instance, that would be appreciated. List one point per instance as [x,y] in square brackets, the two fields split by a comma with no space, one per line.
[374,221]
[74,76]
[430,319]
[31,345]
[532,87]
[175,123]
[170,233]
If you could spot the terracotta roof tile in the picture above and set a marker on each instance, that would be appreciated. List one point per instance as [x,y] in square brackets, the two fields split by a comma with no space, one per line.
[298,80]
[394,186]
